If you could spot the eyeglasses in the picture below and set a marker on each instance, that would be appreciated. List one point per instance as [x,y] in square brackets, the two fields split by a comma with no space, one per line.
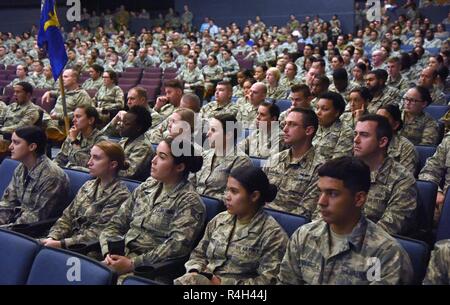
[410,100]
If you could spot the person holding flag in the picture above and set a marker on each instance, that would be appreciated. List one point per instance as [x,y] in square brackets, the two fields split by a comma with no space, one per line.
[50,38]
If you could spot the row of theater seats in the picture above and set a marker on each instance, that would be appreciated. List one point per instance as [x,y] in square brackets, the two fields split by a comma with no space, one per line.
[24,261]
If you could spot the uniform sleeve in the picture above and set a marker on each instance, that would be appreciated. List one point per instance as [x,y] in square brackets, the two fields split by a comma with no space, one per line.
[439,266]
[409,159]
[430,133]
[185,227]
[274,247]
[62,158]
[290,267]
[46,200]
[399,214]
[9,201]
[344,144]
[198,259]
[136,158]
[29,118]
[435,167]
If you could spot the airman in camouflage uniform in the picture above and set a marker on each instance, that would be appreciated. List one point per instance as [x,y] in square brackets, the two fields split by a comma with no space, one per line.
[137,153]
[334,141]
[74,98]
[262,144]
[91,84]
[420,130]
[213,108]
[438,96]
[403,151]
[109,99]
[90,211]
[160,229]
[27,79]
[18,115]
[309,258]
[278,93]
[400,83]
[192,78]
[438,272]
[388,95]
[296,181]
[437,167]
[34,195]
[239,254]
[211,180]
[77,155]
[46,83]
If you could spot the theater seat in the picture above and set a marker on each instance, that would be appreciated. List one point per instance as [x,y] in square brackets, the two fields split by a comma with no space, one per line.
[131,184]
[419,254]
[443,230]
[289,222]
[17,253]
[437,111]
[284,105]
[424,151]
[258,162]
[7,168]
[76,180]
[425,209]
[61,267]
[133,280]
[213,207]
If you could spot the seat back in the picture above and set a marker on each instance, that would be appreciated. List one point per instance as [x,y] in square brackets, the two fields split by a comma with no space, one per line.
[424,151]
[61,267]
[443,230]
[258,162]
[131,184]
[138,281]
[213,206]
[7,168]
[289,222]
[76,180]
[425,205]
[284,105]
[16,257]
[419,254]
[437,111]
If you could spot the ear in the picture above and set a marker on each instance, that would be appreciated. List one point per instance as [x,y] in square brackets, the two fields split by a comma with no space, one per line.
[114,164]
[32,147]
[309,130]
[383,142]
[92,121]
[254,196]
[179,168]
[360,199]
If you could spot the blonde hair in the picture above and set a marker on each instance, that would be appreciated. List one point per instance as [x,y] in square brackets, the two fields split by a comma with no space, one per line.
[187,115]
[276,73]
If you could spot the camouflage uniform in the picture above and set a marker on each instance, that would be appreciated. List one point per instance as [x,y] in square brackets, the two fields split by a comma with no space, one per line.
[211,180]
[242,50]
[238,91]
[144,63]
[346,93]
[349,120]
[91,84]
[192,78]
[87,215]
[165,65]
[212,73]
[247,113]
[46,83]
[138,153]
[400,83]
[74,98]
[437,167]
[157,228]
[287,84]
[296,181]
[422,130]
[392,198]
[438,96]
[213,108]
[334,141]
[16,115]
[403,151]
[34,195]
[240,254]
[309,258]
[438,272]
[110,99]
[17,80]
[389,95]
[77,155]
[164,112]
[277,93]
[262,144]
[230,66]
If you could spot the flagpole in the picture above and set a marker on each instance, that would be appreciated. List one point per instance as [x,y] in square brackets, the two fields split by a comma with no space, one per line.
[63,96]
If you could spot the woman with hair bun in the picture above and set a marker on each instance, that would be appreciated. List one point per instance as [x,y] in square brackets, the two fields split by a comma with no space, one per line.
[163,217]
[243,245]
[96,201]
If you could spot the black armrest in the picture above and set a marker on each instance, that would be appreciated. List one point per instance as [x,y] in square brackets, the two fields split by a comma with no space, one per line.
[35,229]
[164,272]
[85,248]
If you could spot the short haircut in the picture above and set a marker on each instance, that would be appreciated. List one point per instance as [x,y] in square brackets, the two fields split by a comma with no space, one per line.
[394,60]
[340,74]
[324,81]
[27,87]
[383,129]
[309,117]
[301,88]
[174,83]
[226,84]
[194,100]
[395,113]
[97,68]
[143,117]
[141,92]
[363,92]
[353,172]
[425,94]
[33,134]
[274,110]
[380,74]
[336,98]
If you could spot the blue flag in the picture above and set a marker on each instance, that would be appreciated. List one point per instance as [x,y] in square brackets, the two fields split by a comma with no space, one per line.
[50,35]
